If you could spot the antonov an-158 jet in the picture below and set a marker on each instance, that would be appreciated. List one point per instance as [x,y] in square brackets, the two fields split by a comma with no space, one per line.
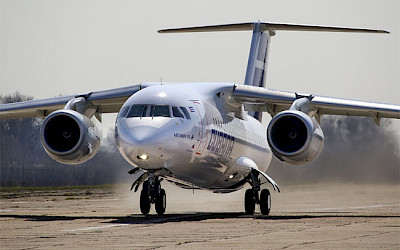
[199,135]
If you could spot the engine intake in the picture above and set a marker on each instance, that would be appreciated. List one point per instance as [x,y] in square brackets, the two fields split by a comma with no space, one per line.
[294,137]
[69,137]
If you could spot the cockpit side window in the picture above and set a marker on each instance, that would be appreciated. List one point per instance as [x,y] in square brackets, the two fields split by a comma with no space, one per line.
[185,112]
[123,112]
[137,111]
[160,111]
[176,112]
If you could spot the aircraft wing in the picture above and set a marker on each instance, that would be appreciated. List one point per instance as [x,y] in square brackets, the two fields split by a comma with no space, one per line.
[274,101]
[106,101]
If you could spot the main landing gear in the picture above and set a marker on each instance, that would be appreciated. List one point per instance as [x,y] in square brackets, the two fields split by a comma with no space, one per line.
[251,197]
[152,193]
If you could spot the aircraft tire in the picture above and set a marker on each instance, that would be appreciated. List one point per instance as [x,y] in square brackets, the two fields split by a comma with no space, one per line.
[265,201]
[144,201]
[249,202]
[161,202]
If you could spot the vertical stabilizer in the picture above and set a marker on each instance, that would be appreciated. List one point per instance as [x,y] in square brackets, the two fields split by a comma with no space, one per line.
[257,65]
[258,57]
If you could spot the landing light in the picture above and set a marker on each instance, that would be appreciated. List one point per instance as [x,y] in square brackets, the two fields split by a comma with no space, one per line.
[143,157]
[233,175]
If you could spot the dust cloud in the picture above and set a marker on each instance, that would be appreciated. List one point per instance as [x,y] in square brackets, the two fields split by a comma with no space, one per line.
[355,150]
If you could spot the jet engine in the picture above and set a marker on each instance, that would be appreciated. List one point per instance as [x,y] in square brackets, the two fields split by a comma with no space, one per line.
[69,137]
[295,137]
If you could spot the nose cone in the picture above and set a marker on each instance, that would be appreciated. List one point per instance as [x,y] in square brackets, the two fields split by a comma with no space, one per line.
[145,146]
[143,136]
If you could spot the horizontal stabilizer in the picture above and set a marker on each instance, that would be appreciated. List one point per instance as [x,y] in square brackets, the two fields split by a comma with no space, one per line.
[269,26]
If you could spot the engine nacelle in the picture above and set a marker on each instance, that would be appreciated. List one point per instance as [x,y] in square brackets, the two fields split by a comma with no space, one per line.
[294,137]
[69,137]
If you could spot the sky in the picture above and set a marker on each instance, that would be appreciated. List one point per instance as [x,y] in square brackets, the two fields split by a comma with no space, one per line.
[51,48]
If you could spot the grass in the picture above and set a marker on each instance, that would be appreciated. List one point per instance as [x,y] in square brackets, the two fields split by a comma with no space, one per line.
[72,198]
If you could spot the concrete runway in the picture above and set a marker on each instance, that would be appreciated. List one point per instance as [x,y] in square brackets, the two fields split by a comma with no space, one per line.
[333,216]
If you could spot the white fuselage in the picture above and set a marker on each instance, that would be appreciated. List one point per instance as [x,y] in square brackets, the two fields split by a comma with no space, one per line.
[181,131]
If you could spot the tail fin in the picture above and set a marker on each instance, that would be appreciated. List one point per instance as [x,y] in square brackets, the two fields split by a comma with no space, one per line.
[258,57]
[262,32]
[257,65]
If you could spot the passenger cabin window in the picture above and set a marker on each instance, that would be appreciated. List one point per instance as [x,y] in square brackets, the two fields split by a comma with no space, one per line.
[176,112]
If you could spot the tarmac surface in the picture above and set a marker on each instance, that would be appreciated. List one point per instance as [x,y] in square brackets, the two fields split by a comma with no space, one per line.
[319,216]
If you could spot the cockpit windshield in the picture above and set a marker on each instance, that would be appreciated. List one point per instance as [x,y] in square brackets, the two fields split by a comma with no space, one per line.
[159,111]
[138,111]
[150,110]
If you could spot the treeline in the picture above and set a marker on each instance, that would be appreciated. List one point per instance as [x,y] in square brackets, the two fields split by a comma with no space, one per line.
[355,151]
[23,161]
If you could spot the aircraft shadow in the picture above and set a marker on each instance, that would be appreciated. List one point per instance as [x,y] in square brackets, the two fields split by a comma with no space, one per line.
[156,219]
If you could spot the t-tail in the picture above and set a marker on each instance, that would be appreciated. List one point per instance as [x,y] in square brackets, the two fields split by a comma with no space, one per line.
[257,65]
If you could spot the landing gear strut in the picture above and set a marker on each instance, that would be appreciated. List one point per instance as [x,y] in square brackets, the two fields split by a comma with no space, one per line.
[152,193]
[251,197]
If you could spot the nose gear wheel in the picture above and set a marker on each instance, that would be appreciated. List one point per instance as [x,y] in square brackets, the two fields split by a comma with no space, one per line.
[152,193]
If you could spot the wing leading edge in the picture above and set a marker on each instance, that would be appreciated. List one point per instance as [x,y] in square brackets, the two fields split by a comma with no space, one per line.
[106,101]
[274,101]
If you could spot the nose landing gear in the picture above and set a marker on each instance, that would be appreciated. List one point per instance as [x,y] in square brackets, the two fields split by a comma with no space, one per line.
[152,193]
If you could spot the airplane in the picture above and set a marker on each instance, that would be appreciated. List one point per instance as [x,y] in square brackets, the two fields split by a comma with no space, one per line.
[199,135]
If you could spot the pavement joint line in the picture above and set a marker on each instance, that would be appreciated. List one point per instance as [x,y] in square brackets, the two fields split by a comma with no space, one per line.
[5,210]
[94,228]
[97,200]
[373,206]
[358,207]
[158,220]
